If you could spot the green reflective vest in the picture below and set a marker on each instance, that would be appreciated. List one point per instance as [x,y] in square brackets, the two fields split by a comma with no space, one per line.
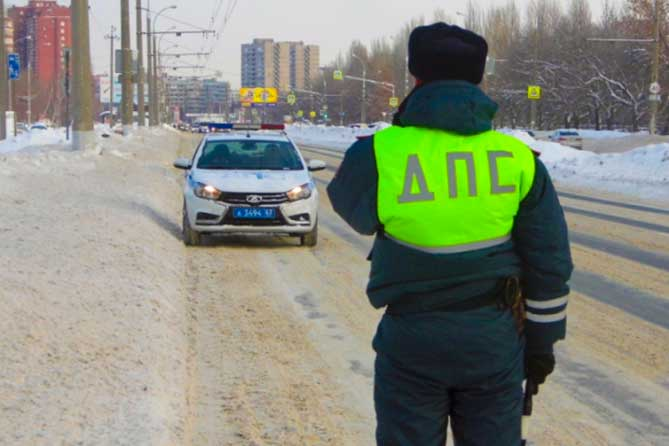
[442,192]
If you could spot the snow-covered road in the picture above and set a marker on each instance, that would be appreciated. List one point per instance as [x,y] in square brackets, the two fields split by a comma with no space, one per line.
[112,332]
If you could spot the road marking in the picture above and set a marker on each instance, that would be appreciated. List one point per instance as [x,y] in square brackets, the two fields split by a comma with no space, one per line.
[635,207]
[616,219]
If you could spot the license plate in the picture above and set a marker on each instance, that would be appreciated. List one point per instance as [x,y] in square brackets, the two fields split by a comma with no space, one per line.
[254,213]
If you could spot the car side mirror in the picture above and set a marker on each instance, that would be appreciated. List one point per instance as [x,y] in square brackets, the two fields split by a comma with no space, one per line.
[316,165]
[183,164]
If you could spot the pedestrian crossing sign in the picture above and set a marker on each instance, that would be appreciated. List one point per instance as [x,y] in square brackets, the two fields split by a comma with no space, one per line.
[338,75]
[534,92]
[394,102]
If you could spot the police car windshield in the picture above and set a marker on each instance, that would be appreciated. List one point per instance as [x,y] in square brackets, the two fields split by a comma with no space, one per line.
[249,154]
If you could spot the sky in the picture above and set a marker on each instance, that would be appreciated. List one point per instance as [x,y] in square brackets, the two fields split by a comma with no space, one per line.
[331,24]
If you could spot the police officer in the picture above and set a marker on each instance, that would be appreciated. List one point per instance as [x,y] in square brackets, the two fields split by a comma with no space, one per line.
[462,216]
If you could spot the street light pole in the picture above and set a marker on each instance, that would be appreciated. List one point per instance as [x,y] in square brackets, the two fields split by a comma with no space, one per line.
[363,110]
[4,85]
[655,76]
[140,68]
[127,102]
[154,108]
[30,91]
[149,64]
[112,37]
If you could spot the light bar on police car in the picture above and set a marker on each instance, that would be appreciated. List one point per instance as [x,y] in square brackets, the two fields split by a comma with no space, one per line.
[233,126]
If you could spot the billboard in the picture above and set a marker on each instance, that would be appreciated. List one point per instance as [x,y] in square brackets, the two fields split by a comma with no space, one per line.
[258,96]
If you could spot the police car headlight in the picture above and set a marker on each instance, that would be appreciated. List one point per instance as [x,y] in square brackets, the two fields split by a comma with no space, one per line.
[206,191]
[300,192]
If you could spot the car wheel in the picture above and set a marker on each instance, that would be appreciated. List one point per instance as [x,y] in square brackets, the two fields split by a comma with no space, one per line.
[310,238]
[190,236]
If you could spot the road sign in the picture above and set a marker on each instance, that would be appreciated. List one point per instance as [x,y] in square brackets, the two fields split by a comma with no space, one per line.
[338,75]
[312,114]
[14,66]
[291,99]
[300,113]
[534,92]
[394,102]
[655,88]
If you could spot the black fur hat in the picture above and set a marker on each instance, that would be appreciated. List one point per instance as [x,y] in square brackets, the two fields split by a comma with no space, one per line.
[447,52]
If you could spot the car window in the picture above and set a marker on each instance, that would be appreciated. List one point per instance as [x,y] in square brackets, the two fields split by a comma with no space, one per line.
[568,134]
[249,154]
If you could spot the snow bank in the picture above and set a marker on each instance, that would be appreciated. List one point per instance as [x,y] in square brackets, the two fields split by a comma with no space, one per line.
[642,172]
[33,138]
[95,347]
[334,137]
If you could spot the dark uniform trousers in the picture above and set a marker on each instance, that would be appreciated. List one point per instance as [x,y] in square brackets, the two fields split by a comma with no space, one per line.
[466,367]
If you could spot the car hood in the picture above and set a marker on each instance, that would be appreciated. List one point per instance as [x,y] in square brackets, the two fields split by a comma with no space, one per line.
[262,181]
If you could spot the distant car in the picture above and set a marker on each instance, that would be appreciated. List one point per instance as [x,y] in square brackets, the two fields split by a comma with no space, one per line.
[22,127]
[569,138]
[203,129]
[249,182]
[38,126]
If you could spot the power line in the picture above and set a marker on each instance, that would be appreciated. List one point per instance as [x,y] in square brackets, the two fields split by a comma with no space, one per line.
[217,11]
[182,22]
[232,4]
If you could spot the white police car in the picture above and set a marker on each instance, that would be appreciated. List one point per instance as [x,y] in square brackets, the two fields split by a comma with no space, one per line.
[249,180]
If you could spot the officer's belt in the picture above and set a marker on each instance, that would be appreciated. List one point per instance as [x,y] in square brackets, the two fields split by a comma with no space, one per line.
[415,304]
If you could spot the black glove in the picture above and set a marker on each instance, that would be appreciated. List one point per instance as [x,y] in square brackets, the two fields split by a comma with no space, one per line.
[538,366]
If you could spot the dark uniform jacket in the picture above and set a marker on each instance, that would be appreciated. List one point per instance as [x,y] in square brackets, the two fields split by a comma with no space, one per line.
[538,252]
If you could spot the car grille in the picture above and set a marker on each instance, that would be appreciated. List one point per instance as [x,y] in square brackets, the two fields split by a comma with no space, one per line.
[242,198]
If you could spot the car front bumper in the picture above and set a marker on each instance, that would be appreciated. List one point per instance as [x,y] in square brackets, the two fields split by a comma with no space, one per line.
[209,216]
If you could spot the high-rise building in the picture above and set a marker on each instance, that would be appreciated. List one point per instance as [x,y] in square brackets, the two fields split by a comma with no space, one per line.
[283,65]
[42,32]
[194,95]
[50,27]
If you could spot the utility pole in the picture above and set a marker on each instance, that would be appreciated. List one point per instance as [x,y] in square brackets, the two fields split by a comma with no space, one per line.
[68,91]
[83,136]
[112,73]
[154,99]
[149,66]
[30,89]
[535,71]
[140,68]
[655,76]
[127,98]
[363,107]
[4,83]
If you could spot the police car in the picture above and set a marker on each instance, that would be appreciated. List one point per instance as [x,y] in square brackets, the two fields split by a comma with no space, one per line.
[249,179]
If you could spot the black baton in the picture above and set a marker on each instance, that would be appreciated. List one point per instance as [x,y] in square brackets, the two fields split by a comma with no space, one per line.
[530,390]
